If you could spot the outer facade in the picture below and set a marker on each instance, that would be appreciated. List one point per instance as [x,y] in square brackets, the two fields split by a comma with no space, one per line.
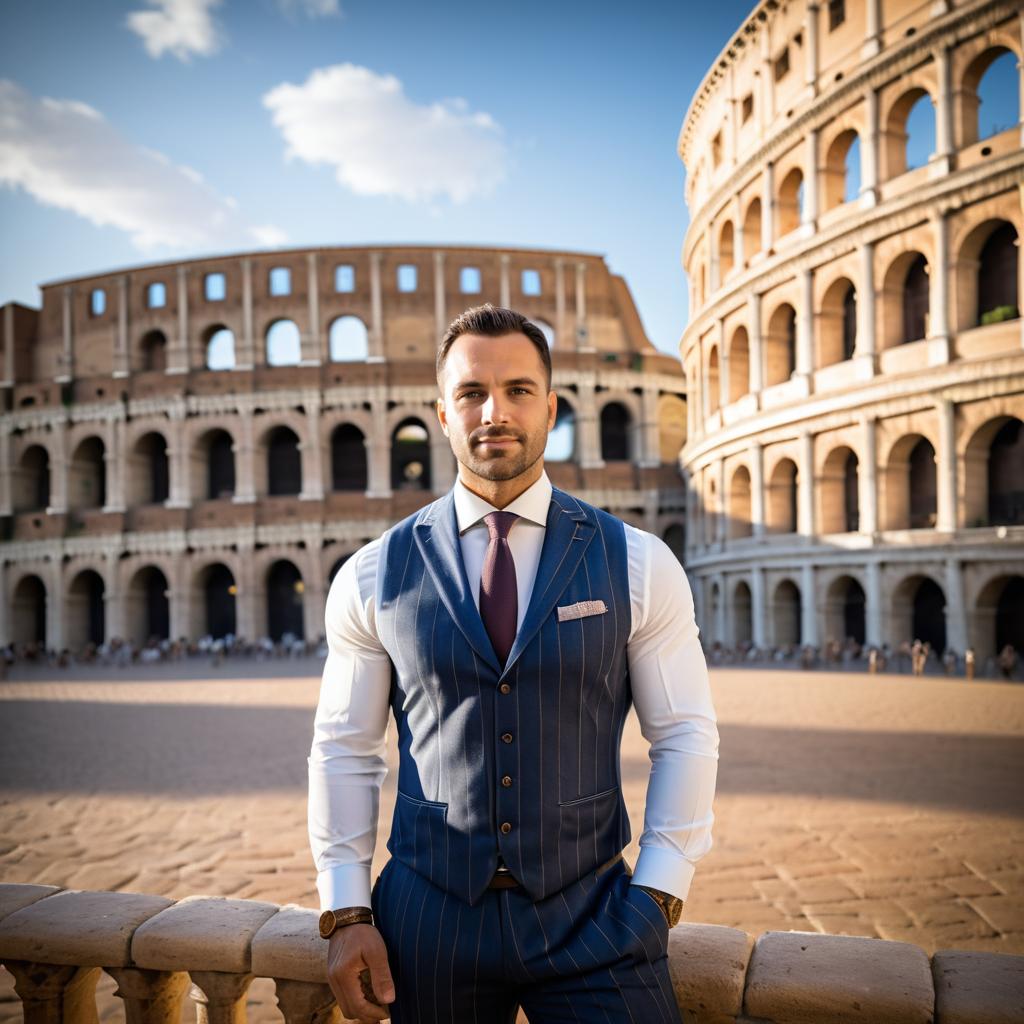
[855,355]
[193,449]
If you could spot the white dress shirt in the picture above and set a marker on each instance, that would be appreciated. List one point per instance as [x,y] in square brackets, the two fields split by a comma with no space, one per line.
[668,679]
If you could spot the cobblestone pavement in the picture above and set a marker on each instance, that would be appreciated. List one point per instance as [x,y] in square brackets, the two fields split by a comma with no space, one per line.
[882,806]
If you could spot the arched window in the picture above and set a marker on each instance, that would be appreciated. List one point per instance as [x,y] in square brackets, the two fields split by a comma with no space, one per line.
[149,470]
[283,344]
[910,133]
[739,364]
[410,456]
[997,276]
[562,436]
[348,458]
[780,345]
[616,424]
[990,97]
[839,496]
[726,260]
[348,340]
[742,614]
[285,589]
[842,170]
[219,593]
[920,132]
[284,462]
[790,201]
[148,606]
[849,322]
[918,612]
[714,381]
[220,465]
[1006,475]
[220,348]
[87,480]
[28,613]
[915,300]
[786,614]
[845,606]
[739,504]
[154,351]
[782,498]
[85,616]
[30,485]
[752,229]
[921,481]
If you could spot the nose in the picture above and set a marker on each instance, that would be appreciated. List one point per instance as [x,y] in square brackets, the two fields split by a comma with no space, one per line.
[494,410]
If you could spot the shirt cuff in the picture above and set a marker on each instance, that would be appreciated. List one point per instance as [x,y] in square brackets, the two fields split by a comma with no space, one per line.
[347,885]
[663,870]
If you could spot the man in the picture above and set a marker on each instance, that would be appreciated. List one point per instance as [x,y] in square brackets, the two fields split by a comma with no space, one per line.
[509,627]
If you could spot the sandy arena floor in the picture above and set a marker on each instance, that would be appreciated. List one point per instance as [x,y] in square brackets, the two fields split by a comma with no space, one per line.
[886,806]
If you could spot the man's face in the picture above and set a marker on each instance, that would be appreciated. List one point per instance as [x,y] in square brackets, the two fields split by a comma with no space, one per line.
[496,409]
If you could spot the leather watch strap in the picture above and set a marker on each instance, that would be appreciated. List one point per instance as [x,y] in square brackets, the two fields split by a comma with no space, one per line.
[332,920]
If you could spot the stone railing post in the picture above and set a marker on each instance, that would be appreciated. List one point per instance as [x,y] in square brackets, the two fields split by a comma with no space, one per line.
[55,993]
[306,1002]
[150,997]
[219,997]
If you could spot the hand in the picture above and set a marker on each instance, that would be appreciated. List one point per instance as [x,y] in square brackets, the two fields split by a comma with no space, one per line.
[358,973]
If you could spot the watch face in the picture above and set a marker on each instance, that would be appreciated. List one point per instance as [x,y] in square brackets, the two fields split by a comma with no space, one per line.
[326,924]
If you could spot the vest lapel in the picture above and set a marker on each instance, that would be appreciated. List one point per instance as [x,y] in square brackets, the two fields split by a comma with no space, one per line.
[437,537]
[566,539]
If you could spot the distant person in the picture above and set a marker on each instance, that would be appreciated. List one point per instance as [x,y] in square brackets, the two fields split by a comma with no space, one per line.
[1008,661]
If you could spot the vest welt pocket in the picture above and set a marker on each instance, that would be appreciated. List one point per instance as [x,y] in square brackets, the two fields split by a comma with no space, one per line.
[588,799]
[433,804]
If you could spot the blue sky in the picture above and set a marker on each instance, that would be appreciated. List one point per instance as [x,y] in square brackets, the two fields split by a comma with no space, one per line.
[185,127]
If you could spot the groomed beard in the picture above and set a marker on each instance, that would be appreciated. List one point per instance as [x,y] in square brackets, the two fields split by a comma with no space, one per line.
[500,465]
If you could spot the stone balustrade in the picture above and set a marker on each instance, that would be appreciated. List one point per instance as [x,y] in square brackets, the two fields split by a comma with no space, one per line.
[56,943]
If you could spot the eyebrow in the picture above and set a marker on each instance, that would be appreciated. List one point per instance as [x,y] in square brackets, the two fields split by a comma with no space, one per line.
[514,382]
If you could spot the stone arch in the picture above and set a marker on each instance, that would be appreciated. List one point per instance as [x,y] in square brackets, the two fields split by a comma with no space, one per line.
[212,465]
[838,492]
[918,612]
[780,345]
[218,347]
[410,456]
[905,299]
[739,364]
[994,473]
[752,229]
[671,427]
[740,524]
[789,202]
[786,614]
[897,138]
[781,497]
[348,458]
[30,481]
[837,323]
[977,61]
[87,477]
[561,445]
[28,612]
[726,250]
[284,589]
[714,386]
[996,615]
[616,425]
[845,610]
[348,339]
[148,470]
[214,600]
[85,610]
[283,343]
[742,614]
[988,274]
[837,172]
[147,605]
[152,353]
[911,496]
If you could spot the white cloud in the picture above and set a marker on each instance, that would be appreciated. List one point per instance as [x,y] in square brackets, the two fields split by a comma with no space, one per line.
[381,143]
[179,27]
[310,8]
[65,154]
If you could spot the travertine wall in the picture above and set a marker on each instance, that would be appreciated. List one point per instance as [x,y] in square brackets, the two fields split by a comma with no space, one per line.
[831,333]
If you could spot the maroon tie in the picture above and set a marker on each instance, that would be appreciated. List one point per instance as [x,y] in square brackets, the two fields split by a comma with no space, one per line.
[499,599]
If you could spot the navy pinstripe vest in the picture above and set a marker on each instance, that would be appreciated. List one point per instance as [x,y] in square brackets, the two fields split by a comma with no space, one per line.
[542,760]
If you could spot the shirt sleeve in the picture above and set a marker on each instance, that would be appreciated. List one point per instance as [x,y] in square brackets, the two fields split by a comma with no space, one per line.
[672,697]
[346,762]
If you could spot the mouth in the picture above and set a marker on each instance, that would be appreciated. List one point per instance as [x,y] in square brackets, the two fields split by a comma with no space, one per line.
[496,441]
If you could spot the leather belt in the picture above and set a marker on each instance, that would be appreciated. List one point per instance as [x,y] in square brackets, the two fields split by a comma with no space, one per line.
[504,879]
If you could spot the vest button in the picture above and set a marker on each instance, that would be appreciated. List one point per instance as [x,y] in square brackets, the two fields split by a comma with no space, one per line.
[505,688]
[506,827]
[506,737]
[506,781]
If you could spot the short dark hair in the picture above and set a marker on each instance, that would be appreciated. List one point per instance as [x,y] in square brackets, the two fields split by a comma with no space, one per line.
[494,322]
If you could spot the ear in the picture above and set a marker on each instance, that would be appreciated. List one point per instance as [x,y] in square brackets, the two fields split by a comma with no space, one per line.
[552,410]
[442,416]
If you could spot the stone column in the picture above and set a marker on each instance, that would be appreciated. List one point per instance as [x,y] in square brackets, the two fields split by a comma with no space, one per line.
[245,598]
[150,997]
[869,152]
[721,524]
[312,453]
[945,516]
[54,606]
[245,354]
[440,317]
[873,29]
[943,110]
[723,363]
[757,607]
[219,997]
[177,347]
[938,284]
[122,364]
[1020,99]
[560,320]
[867,479]
[738,261]
[582,331]
[113,603]
[376,340]
[312,341]
[757,488]
[808,606]
[811,67]
[864,349]
[180,599]
[177,456]
[956,615]
[6,469]
[650,446]
[505,287]
[59,470]
[245,458]
[378,446]
[805,485]
[768,208]
[720,621]
[805,325]
[114,459]
[767,104]
[756,343]
[305,1002]
[587,435]
[66,363]
[873,605]
[714,261]
[809,214]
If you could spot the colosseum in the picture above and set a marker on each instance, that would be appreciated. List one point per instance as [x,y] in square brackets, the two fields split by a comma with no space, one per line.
[854,357]
[193,449]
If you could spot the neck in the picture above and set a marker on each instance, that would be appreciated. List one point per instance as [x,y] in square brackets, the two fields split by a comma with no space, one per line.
[500,493]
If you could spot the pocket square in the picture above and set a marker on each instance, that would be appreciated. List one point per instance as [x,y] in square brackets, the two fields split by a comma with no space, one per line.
[581,610]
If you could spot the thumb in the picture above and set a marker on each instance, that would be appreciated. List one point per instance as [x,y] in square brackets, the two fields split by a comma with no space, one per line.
[380,974]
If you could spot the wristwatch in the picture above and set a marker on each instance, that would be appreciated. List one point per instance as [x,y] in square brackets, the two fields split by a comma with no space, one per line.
[332,920]
[671,906]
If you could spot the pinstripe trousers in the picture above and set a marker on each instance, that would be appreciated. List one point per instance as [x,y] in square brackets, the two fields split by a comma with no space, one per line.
[594,952]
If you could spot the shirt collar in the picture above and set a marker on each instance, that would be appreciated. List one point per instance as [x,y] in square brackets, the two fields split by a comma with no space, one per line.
[532,504]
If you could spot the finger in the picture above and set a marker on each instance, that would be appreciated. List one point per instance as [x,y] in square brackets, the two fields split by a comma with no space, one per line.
[382,985]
